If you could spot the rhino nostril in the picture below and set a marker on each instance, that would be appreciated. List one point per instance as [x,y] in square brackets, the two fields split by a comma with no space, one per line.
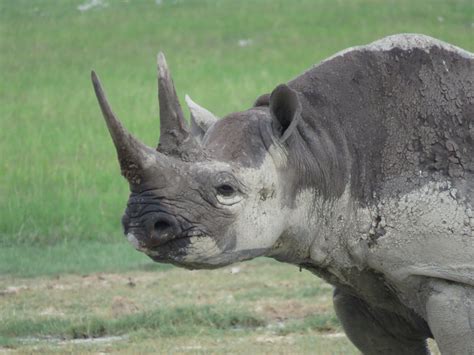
[163,229]
[156,229]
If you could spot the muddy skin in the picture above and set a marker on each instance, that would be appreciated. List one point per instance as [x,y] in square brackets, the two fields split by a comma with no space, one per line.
[360,170]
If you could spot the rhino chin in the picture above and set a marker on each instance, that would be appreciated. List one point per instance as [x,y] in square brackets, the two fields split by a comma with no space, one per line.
[184,249]
[201,252]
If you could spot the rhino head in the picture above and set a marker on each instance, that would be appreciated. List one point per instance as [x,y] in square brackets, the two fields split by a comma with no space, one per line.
[213,193]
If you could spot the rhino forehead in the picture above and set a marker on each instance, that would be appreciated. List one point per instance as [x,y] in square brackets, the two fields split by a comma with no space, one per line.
[236,138]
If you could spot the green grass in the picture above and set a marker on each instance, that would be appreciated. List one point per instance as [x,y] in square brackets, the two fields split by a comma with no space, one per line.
[59,179]
[306,291]
[170,307]
[73,257]
[164,321]
[171,311]
[323,322]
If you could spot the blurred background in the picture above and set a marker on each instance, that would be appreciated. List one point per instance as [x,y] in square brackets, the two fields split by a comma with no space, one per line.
[61,194]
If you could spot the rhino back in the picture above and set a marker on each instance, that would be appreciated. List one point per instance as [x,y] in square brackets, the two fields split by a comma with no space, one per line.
[401,107]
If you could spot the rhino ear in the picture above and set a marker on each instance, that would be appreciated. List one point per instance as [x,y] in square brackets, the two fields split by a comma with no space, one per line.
[285,108]
[201,119]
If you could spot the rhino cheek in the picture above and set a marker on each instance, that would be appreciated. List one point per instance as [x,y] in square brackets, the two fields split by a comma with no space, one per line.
[262,220]
[257,230]
[197,253]
[201,249]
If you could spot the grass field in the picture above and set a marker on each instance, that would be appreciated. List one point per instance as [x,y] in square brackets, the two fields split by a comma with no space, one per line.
[260,307]
[61,196]
[59,177]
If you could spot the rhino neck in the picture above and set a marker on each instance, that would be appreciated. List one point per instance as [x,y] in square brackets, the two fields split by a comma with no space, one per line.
[320,231]
[318,155]
[323,216]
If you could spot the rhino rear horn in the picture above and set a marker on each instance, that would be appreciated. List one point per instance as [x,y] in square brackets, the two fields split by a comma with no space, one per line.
[175,137]
[134,157]
[201,119]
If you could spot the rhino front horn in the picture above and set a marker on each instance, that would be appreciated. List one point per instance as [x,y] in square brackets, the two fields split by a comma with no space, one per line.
[134,157]
[175,137]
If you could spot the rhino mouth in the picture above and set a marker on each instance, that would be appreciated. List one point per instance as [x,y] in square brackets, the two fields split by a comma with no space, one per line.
[176,243]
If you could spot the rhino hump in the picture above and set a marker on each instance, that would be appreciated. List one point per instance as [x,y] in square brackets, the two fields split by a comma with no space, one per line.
[404,41]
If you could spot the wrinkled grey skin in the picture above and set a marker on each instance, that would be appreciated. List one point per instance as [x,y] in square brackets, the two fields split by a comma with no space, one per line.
[360,170]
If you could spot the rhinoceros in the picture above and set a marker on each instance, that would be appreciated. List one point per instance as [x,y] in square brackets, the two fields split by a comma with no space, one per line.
[360,170]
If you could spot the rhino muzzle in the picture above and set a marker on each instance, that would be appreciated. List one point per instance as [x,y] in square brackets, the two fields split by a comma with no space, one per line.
[154,231]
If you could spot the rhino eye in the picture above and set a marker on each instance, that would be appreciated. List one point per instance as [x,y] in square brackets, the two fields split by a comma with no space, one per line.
[225,190]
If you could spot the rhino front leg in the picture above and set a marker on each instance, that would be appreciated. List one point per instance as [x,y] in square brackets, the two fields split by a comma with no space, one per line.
[374,331]
[450,315]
